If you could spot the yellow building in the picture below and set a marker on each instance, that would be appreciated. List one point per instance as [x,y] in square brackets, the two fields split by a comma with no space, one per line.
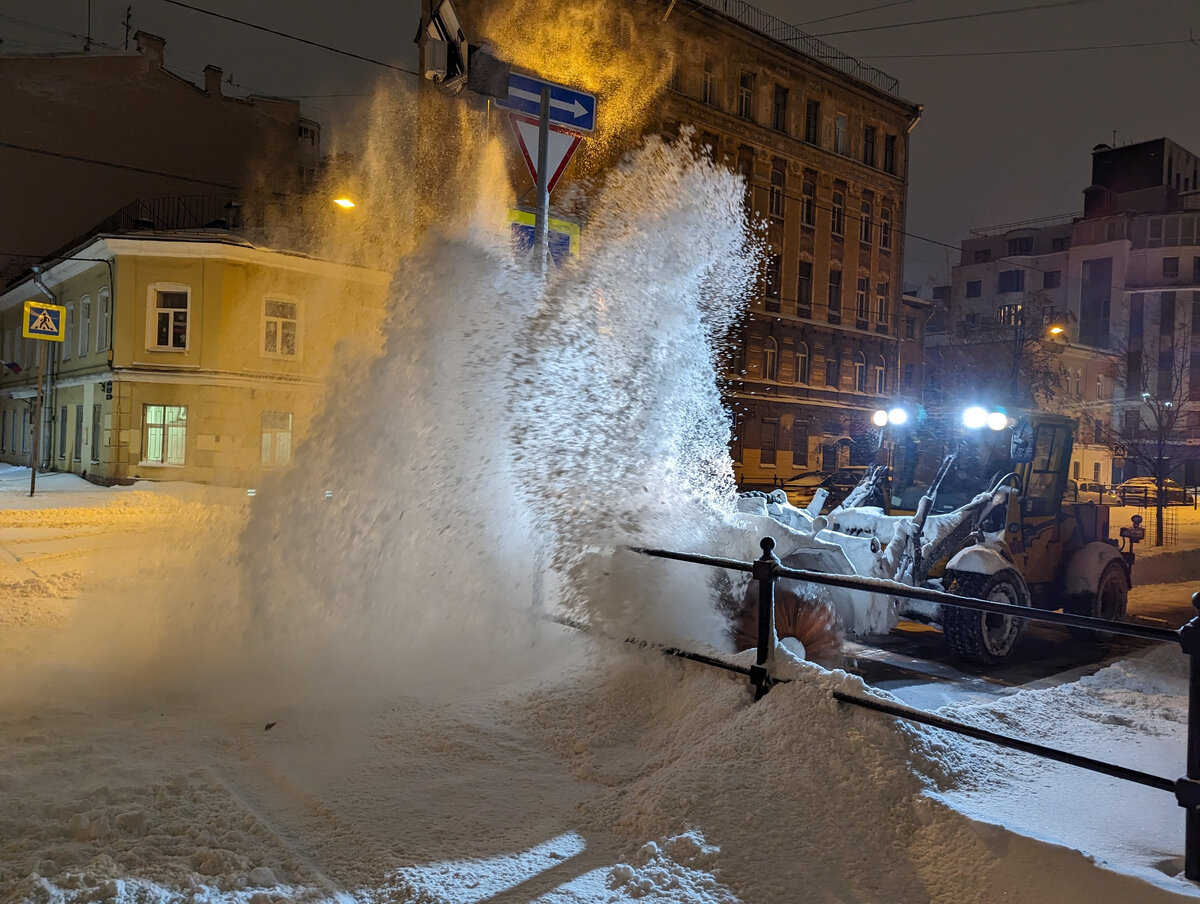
[187,356]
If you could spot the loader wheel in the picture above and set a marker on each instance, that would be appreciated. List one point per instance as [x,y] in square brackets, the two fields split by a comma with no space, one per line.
[1109,601]
[984,636]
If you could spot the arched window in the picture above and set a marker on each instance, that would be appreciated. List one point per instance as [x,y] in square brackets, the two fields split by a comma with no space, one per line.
[1099,387]
[85,324]
[860,372]
[104,302]
[880,375]
[770,359]
[802,363]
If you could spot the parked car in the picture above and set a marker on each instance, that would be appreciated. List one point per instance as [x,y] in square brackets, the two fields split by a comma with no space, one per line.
[1144,491]
[1090,491]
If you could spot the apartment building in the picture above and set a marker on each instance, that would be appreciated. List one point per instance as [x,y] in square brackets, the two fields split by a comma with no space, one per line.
[1100,308]
[188,356]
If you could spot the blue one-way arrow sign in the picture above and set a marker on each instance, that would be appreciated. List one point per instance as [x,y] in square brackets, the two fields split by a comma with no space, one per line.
[574,109]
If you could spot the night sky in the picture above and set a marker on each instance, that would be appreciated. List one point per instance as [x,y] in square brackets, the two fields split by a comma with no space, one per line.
[1006,135]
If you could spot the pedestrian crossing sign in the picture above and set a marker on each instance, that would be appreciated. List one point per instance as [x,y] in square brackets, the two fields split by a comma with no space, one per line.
[44,321]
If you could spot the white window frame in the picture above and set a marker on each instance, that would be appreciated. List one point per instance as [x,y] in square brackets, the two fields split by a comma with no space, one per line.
[170,432]
[68,331]
[85,324]
[152,311]
[262,345]
[104,303]
[271,434]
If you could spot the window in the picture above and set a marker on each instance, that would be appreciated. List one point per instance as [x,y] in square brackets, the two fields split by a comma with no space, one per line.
[745,166]
[779,110]
[802,363]
[881,307]
[835,296]
[165,429]
[908,376]
[276,438]
[880,375]
[910,328]
[1011,281]
[808,201]
[974,288]
[1094,297]
[983,255]
[1019,246]
[62,432]
[1170,268]
[1062,243]
[885,229]
[869,145]
[1009,315]
[4,430]
[1196,269]
[1098,433]
[861,303]
[95,435]
[799,444]
[889,154]
[1100,396]
[778,183]
[1052,279]
[770,359]
[169,317]
[280,325]
[772,300]
[833,370]
[838,215]
[860,372]
[68,331]
[708,87]
[864,222]
[104,303]
[85,324]
[839,134]
[78,450]
[770,441]
[26,425]
[804,289]
[812,122]
[746,95]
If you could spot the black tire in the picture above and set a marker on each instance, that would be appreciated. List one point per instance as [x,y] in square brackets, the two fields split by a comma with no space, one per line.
[984,636]
[1108,601]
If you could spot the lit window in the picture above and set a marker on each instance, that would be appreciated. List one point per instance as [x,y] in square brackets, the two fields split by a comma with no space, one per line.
[170,307]
[276,438]
[165,434]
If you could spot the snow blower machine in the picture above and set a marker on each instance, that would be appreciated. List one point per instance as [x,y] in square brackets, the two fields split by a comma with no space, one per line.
[991,522]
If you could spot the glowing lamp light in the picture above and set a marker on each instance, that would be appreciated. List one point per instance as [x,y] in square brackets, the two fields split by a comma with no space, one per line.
[1055,330]
[897,416]
[974,417]
[880,418]
[344,203]
[997,420]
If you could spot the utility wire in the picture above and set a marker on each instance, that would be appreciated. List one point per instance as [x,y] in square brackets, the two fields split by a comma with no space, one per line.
[290,37]
[983,53]
[121,166]
[995,12]
[856,12]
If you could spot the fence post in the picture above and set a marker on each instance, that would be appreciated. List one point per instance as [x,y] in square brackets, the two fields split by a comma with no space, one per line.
[764,573]
[1187,790]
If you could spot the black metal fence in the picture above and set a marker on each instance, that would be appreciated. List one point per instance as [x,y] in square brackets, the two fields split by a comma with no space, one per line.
[767,570]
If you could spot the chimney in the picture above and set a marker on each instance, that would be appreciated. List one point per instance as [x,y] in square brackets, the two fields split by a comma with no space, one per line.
[212,81]
[150,46]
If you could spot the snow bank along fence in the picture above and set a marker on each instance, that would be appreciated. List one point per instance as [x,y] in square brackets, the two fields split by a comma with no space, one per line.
[768,569]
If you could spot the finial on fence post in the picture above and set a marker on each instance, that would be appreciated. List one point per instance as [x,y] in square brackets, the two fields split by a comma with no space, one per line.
[1187,789]
[764,572]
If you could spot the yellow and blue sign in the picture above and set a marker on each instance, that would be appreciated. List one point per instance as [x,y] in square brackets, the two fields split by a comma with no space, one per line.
[563,235]
[44,321]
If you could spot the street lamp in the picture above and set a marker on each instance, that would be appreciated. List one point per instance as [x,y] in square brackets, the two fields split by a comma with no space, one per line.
[344,203]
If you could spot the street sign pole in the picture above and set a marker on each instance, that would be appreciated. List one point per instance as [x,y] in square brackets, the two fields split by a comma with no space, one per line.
[541,226]
[37,419]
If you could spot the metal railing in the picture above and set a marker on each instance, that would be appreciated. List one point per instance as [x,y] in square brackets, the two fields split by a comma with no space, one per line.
[768,569]
[778,30]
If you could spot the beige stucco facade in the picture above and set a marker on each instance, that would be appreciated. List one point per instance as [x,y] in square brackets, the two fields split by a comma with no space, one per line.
[196,358]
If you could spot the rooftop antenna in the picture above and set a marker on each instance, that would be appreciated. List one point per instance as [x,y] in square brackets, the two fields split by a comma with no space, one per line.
[128,18]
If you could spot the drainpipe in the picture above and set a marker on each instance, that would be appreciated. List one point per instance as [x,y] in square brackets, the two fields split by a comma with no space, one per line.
[44,393]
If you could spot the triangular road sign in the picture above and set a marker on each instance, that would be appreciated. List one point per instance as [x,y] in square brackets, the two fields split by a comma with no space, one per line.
[559,149]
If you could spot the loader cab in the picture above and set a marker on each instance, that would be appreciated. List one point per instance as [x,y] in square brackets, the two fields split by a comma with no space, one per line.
[1041,455]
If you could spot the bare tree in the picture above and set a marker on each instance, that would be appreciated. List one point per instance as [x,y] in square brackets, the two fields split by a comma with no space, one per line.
[1149,428]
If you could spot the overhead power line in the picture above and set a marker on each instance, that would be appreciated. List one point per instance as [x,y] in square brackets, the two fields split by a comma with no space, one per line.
[958,18]
[291,37]
[983,53]
[856,12]
[121,166]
